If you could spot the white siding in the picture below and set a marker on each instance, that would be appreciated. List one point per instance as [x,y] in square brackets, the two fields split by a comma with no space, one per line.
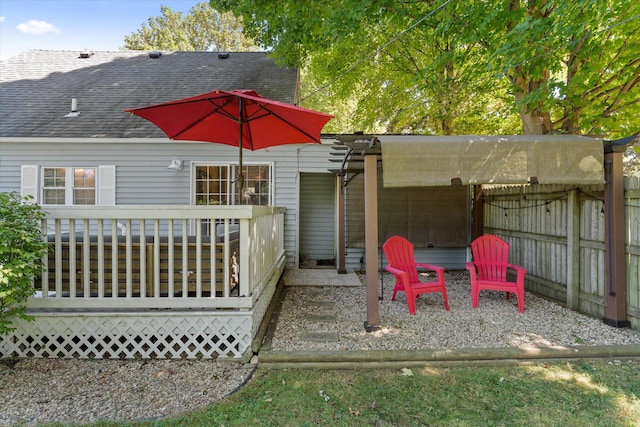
[142,176]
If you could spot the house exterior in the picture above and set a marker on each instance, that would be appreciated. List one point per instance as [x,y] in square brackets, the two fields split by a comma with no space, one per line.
[66,140]
[40,132]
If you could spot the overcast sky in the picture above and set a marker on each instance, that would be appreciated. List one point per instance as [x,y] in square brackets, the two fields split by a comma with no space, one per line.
[75,24]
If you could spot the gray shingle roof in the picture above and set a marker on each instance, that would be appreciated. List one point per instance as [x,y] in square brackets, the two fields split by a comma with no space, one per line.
[36,88]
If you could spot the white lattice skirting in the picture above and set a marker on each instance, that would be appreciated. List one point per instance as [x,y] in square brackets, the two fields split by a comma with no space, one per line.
[158,335]
[161,334]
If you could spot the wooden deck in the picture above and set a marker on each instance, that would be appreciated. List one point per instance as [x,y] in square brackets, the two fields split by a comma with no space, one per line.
[150,282]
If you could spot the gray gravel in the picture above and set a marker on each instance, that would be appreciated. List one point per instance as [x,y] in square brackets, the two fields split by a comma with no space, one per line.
[495,323]
[68,391]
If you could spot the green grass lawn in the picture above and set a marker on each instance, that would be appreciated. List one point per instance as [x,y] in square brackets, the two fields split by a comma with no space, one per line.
[577,393]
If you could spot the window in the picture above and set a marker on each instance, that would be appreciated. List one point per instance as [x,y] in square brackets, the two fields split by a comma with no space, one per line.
[68,186]
[212,185]
[215,185]
[53,188]
[84,186]
[257,185]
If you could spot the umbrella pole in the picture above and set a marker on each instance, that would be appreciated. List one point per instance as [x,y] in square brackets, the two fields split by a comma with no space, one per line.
[240,177]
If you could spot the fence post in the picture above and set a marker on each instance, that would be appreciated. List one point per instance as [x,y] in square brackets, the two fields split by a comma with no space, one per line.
[573,250]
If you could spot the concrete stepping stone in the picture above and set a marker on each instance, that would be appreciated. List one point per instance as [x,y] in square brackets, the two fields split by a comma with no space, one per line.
[321,303]
[320,336]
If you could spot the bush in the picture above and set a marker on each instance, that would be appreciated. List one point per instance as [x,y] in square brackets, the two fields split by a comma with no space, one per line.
[21,252]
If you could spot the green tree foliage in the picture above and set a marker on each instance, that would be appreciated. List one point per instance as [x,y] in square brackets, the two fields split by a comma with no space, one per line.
[202,29]
[21,252]
[454,67]
[574,66]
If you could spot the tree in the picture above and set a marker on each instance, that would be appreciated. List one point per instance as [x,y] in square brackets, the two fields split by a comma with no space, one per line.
[202,29]
[567,66]
[573,65]
[21,252]
[402,89]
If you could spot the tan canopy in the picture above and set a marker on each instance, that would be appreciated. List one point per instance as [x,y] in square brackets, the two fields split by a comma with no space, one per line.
[418,161]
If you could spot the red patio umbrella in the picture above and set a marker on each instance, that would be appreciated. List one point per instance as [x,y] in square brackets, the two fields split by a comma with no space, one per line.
[240,118]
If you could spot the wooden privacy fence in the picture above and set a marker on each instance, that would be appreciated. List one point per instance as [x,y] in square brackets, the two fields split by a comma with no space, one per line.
[557,232]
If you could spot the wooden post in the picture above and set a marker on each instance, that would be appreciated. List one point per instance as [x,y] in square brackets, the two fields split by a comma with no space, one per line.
[341,231]
[371,240]
[477,213]
[573,250]
[615,270]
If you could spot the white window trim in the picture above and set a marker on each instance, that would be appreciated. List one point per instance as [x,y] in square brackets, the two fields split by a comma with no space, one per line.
[232,188]
[32,183]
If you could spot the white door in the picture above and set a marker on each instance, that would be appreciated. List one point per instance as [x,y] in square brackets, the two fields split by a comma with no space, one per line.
[317,247]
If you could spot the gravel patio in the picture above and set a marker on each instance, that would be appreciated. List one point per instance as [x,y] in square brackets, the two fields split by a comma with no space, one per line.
[309,313]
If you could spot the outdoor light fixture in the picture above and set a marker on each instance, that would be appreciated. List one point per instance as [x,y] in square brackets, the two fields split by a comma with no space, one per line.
[175,165]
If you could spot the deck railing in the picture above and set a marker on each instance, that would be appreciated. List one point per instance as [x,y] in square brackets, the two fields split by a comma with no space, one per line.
[158,257]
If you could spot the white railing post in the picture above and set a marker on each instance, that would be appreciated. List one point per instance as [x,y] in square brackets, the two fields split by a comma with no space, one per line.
[226,260]
[170,256]
[114,258]
[198,257]
[58,257]
[185,260]
[142,241]
[156,258]
[45,261]
[129,259]
[100,250]
[245,258]
[86,258]
[72,259]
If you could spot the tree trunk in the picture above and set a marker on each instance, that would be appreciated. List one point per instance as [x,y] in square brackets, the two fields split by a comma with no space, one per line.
[447,105]
[571,120]
[534,120]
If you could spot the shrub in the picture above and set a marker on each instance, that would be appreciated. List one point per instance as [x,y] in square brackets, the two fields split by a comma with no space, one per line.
[21,252]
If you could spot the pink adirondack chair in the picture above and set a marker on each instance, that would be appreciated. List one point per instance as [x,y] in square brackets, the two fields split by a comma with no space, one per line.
[399,253]
[489,267]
